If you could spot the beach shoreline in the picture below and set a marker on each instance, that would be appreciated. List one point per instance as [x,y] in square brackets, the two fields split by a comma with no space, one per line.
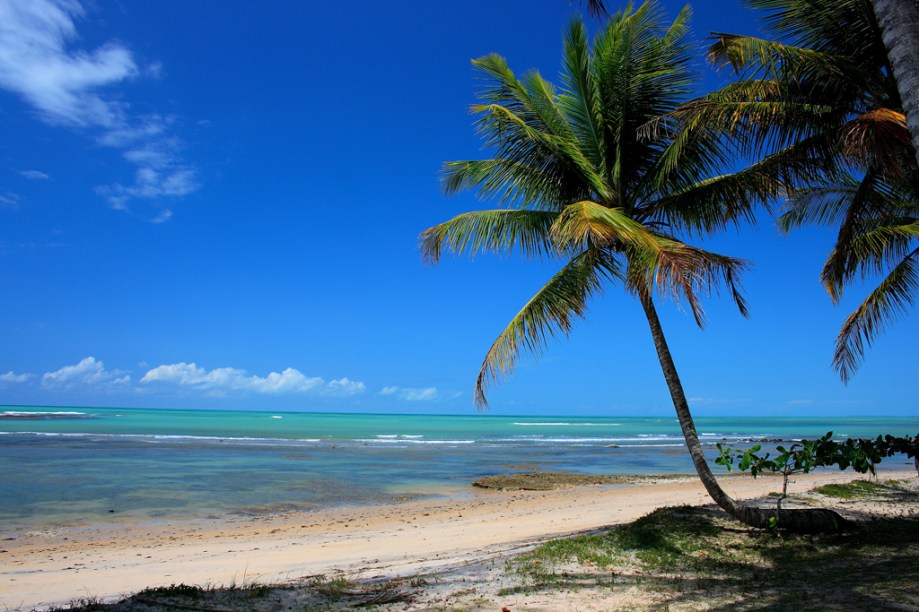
[109,560]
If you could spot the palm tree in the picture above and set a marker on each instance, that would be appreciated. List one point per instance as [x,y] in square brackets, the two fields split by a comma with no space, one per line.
[582,184]
[826,109]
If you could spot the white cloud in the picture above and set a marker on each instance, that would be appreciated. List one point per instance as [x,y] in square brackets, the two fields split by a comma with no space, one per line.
[223,380]
[60,84]
[35,175]
[65,86]
[12,377]
[423,394]
[88,372]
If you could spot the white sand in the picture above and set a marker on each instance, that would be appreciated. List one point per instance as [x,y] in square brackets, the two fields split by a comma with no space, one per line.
[110,560]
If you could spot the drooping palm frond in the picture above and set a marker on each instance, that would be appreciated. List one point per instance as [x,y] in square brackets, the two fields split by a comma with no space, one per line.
[548,314]
[587,224]
[892,298]
[686,274]
[878,139]
[877,246]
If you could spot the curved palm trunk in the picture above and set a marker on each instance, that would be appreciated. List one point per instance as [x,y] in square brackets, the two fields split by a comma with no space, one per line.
[816,520]
[899,21]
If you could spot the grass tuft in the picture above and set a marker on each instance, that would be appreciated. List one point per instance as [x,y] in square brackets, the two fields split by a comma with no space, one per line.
[859,489]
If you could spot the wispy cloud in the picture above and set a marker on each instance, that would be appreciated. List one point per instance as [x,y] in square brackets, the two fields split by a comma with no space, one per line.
[9,199]
[34,175]
[414,394]
[800,402]
[223,380]
[87,373]
[64,86]
[12,377]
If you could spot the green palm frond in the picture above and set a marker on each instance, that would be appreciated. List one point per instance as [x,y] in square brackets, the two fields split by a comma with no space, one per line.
[846,28]
[490,231]
[642,72]
[587,224]
[890,300]
[581,104]
[511,182]
[758,122]
[873,250]
[750,57]
[548,314]
[830,203]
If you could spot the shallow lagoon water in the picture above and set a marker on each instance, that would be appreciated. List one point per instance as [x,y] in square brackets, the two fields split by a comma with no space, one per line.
[67,466]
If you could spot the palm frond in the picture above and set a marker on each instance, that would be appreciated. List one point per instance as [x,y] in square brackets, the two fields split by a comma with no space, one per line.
[509,181]
[876,247]
[880,139]
[580,101]
[519,142]
[686,273]
[587,224]
[891,299]
[490,231]
[644,72]
[750,57]
[547,315]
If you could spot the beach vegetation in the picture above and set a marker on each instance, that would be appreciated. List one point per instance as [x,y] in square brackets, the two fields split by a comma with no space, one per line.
[692,556]
[821,105]
[862,455]
[598,176]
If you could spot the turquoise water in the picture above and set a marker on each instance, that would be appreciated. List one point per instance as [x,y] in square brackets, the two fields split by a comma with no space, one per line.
[81,465]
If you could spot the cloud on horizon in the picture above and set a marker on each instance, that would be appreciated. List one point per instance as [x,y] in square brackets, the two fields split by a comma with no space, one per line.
[413,394]
[220,381]
[12,377]
[92,375]
[63,86]
[87,373]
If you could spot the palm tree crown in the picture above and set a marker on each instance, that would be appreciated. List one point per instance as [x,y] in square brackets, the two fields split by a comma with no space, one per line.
[586,177]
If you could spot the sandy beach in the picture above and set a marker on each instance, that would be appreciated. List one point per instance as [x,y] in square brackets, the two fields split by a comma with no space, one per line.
[105,561]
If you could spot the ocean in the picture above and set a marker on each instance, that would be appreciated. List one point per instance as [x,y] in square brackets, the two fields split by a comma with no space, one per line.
[76,466]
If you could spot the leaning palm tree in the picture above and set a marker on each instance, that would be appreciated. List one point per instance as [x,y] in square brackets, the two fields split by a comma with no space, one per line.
[825,106]
[582,181]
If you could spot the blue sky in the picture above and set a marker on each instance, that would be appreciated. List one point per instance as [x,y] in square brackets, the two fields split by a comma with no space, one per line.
[217,204]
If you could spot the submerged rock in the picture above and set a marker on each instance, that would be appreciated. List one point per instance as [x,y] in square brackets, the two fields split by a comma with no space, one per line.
[545,481]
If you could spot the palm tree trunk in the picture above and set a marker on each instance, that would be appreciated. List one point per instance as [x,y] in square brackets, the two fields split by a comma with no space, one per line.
[899,21]
[808,521]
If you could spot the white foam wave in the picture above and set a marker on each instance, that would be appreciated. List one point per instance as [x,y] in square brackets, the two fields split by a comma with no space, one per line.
[23,413]
[409,440]
[153,438]
[564,424]
[398,436]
